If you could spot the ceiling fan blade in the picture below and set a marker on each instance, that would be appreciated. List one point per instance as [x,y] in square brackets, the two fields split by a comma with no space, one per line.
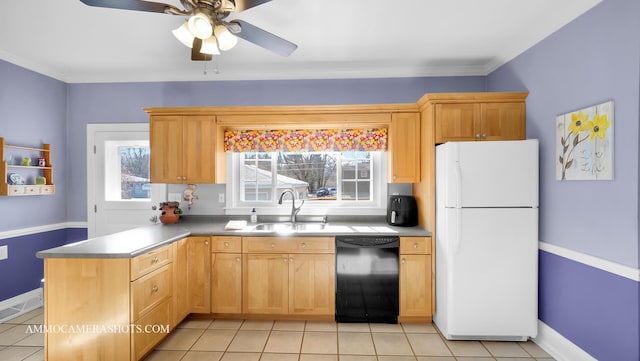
[241,5]
[137,5]
[265,39]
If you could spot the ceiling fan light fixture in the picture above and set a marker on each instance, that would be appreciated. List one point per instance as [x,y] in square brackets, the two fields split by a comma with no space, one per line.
[183,35]
[226,40]
[210,46]
[200,25]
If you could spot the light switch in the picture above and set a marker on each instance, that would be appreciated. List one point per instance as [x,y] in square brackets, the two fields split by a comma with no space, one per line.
[4,252]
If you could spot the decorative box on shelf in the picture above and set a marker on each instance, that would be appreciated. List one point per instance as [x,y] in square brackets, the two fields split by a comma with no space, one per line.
[18,163]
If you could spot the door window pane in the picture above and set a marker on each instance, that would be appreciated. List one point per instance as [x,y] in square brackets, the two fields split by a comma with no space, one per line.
[127,171]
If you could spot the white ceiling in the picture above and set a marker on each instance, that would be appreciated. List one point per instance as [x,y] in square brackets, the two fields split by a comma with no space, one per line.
[75,43]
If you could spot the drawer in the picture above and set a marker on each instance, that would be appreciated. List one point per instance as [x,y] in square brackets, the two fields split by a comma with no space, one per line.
[47,189]
[32,190]
[150,290]
[415,245]
[145,263]
[149,330]
[288,245]
[17,190]
[226,244]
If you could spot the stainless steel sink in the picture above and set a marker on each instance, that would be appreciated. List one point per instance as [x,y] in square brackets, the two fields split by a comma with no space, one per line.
[289,227]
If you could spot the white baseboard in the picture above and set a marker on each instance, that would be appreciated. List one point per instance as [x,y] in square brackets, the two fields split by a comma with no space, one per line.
[559,347]
[21,304]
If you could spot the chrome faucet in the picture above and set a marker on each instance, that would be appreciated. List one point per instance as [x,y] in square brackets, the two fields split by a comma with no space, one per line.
[294,209]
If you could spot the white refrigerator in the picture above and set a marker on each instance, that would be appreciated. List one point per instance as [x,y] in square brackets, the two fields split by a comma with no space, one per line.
[487,240]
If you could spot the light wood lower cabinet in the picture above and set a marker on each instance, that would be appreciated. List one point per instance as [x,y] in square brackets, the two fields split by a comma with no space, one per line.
[312,284]
[199,274]
[415,279]
[289,276]
[103,308]
[151,299]
[226,275]
[181,307]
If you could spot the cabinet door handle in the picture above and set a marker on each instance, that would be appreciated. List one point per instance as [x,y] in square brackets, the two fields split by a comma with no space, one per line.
[273,245]
[291,259]
[303,245]
[237,259]
[154,289]
[415,246]
[184,178]
[484,135]
[178,177]
[284,259]
[206,243]
[226,244]
[404,261]
[155,259]
[477,135]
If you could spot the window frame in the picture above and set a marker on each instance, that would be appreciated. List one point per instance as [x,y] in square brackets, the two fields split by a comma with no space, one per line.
[375,206]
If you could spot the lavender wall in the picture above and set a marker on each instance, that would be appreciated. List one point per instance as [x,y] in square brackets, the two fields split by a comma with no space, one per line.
[24,268]
[596,310]
[33,110]
[123,103]
[593,59]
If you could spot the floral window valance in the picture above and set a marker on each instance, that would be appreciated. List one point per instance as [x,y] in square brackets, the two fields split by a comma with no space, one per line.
[305,140]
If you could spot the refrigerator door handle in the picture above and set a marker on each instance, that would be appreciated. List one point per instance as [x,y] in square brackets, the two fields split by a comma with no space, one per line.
[458,237]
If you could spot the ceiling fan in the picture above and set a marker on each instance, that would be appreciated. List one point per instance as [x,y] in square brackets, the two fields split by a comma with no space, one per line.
[206,31]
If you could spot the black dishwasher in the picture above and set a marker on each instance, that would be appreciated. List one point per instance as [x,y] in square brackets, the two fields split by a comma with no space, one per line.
[367,279]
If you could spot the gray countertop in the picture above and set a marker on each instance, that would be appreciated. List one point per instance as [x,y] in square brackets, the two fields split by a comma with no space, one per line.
[128,244]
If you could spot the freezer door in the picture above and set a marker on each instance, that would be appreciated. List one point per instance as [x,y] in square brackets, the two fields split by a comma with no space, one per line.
[488,174]
[490,257]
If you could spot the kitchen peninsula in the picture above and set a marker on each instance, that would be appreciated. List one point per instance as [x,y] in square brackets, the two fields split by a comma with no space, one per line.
[127,290]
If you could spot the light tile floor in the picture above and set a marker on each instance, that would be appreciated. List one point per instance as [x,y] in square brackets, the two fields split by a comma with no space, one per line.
[250,340]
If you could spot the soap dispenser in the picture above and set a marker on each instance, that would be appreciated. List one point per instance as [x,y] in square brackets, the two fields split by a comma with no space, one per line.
[254,216]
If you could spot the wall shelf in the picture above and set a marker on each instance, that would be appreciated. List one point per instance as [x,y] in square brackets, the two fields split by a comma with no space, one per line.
[29,172]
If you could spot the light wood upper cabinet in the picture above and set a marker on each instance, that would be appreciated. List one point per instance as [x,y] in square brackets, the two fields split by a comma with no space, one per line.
[457,122]
[404,148]
[477,116]
[182,148]
[502,121]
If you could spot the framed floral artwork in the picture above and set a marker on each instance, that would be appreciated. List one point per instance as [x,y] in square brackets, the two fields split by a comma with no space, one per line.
[584,143]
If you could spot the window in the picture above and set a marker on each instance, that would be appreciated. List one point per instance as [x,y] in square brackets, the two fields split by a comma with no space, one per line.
[127,171]
[322,179]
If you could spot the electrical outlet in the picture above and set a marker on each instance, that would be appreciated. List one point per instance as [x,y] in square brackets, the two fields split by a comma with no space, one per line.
[220,197]
[4,252]
[175,197]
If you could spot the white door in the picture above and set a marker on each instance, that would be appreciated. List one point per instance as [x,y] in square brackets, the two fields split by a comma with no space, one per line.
[120,195]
